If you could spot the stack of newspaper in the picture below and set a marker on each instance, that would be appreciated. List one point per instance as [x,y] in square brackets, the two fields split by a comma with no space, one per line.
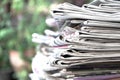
[86,47]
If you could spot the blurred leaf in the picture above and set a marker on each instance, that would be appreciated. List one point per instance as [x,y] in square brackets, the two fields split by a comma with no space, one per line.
[5,1]
[4,33]
[17,5]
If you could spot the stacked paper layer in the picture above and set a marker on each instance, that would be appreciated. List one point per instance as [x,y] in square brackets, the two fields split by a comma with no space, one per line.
[86,47]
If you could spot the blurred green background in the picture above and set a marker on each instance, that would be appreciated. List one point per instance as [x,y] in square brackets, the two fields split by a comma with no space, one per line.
[19,19]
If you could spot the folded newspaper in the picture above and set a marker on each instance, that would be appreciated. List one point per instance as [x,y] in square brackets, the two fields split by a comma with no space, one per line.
[86,47]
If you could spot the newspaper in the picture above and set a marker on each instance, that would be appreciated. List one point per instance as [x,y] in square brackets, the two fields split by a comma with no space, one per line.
[86,47]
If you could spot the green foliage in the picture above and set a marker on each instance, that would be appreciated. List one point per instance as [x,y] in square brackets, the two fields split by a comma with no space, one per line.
[17,5]
[17,26]
[19,19]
